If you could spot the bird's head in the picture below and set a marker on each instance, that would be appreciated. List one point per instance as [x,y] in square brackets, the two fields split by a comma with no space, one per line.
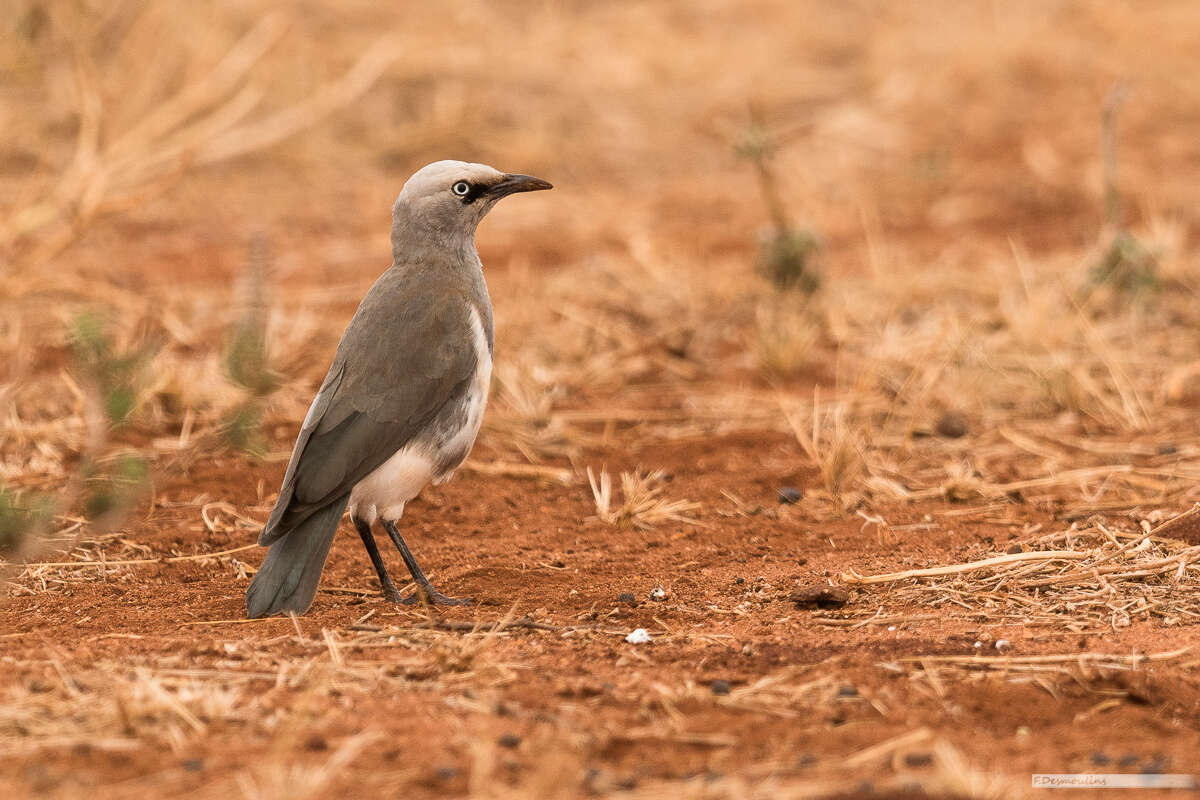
[447,199]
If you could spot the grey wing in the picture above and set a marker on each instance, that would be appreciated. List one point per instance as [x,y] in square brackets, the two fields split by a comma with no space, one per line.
[320,404]
[400,366]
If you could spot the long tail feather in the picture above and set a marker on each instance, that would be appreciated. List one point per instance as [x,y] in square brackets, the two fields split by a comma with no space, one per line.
[288,577]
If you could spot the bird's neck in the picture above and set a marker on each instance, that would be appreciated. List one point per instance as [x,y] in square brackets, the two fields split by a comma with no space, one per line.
[418,239]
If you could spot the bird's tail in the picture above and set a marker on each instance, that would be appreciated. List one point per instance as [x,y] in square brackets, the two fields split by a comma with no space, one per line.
[287,579]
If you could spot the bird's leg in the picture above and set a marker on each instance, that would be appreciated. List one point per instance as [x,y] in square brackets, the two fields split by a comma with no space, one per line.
[424,587]
[390,592]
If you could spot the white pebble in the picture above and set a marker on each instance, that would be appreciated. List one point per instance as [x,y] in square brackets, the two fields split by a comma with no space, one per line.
[639,636]
[658,593]
[1002,644]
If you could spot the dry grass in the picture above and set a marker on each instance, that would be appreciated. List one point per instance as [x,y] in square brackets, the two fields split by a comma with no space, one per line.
[1084,579]
[642,503]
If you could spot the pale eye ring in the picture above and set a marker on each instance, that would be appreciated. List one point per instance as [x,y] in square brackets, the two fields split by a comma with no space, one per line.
[462,188]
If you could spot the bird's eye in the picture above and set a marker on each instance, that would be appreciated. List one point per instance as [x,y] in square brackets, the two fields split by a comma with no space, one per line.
[461,188]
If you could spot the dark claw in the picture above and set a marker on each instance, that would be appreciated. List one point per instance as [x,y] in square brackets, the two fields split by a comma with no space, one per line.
[435,598]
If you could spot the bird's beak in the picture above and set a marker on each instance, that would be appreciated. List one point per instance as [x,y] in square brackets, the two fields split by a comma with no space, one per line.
[511,184]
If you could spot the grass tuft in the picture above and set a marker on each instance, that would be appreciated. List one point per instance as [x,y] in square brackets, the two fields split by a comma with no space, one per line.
[642,503]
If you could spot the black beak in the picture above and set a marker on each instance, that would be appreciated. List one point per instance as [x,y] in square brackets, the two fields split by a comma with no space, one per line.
[511,184]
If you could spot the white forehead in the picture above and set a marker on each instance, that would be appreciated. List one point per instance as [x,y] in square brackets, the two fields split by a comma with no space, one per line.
[441,175]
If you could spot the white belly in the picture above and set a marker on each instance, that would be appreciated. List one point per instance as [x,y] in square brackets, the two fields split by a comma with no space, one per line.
[384,492]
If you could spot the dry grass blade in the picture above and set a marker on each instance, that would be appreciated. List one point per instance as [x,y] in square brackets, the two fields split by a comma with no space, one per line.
[832,445]
[1001,662]
[510,470]
[642,502]
[876,752]
[853,577]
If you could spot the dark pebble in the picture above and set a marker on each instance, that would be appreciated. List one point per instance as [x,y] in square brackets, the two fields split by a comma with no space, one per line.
[194,764]
[509,740]
[1128,760]
[820,596]
[918,759]
[446,773]
[790,495]
[847,691]
[316,742]
[720,687]
[1100,759]
[627,597]
[739,581]
[1167,449]
[806,760]
[1014,549]
[952,425]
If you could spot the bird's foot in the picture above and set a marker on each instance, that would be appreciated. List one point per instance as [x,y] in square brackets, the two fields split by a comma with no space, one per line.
[434,598]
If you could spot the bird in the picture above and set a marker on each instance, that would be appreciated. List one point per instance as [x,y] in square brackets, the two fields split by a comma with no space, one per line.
[402,402]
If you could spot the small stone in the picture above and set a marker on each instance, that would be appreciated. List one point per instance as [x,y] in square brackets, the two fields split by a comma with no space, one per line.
[820,596]
[1013,549]
[790,495]
[316,743]
[720,687]
[1167,449]
[658,594]
[739,581]
[918,759]
[446,773]
[848,691]
[509,740]
[1002,645]
[1100,759]
[639,636]
[627,597]
[952,425]
[193,764]
[1128,760]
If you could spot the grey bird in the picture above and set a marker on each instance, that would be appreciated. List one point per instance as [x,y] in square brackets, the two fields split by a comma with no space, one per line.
[402,402]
